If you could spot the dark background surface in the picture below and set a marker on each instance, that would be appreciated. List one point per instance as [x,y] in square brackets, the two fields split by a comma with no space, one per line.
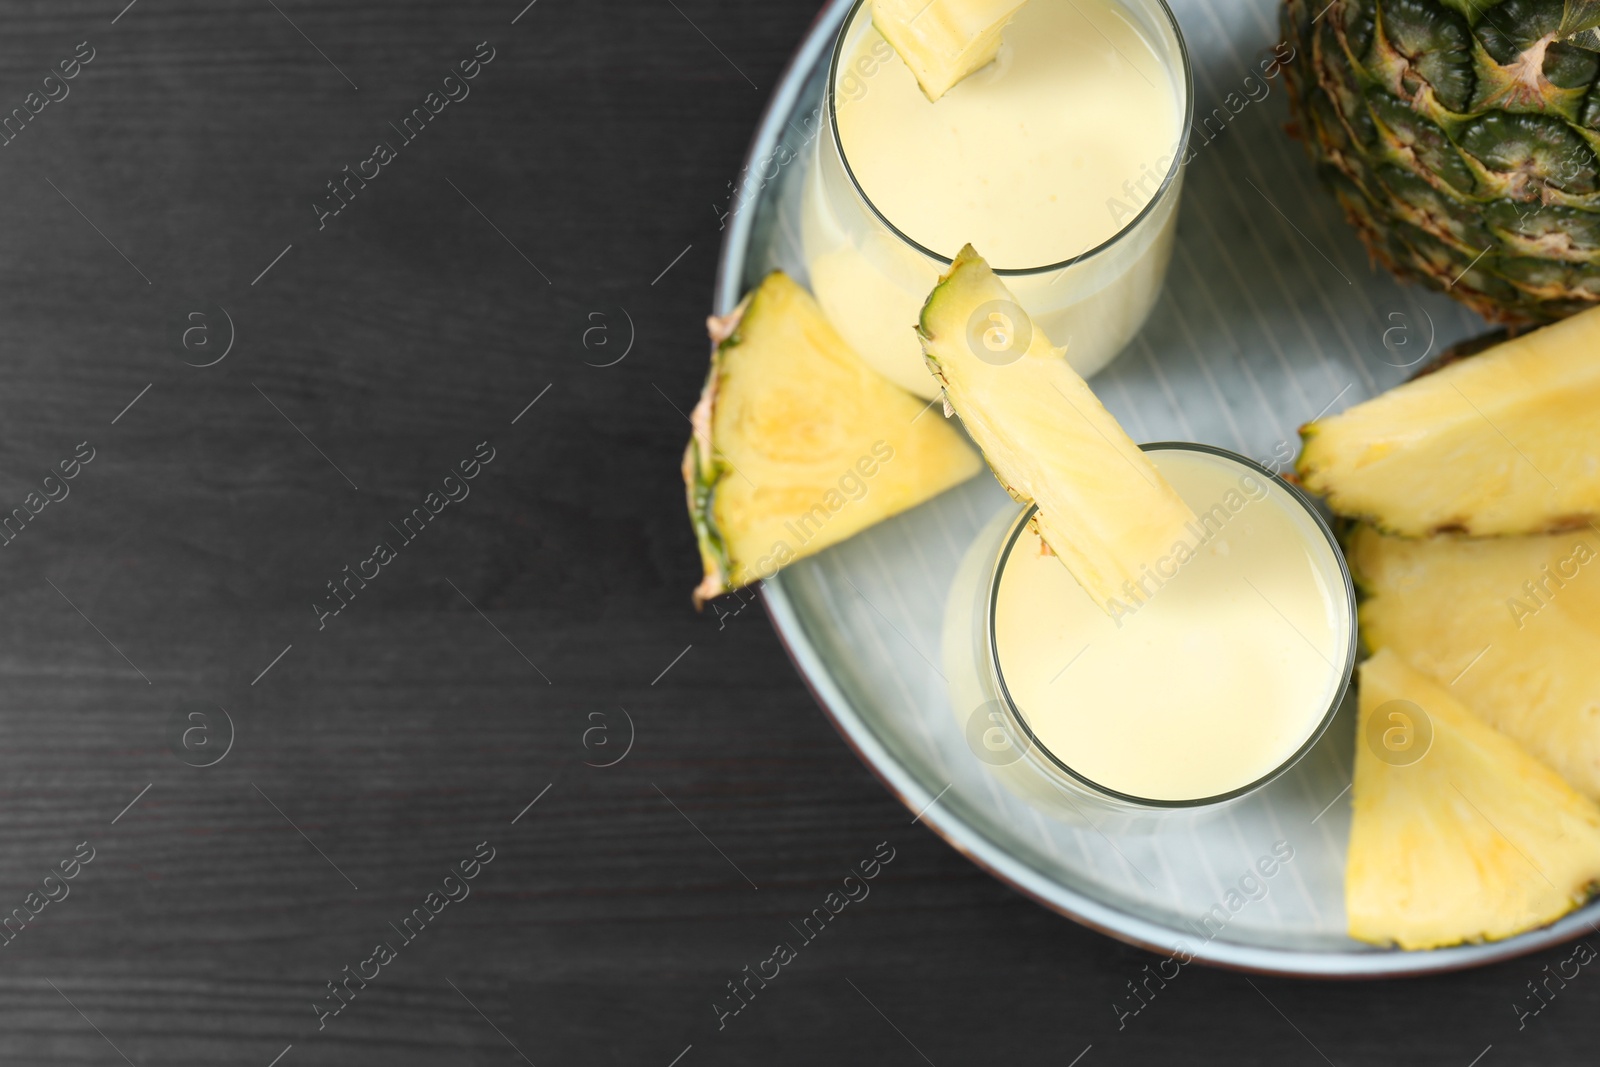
[382,748]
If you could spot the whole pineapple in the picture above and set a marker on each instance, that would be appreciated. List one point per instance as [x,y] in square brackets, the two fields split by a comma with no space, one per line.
[1462,138]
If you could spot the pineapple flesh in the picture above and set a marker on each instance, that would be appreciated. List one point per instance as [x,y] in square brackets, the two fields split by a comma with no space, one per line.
[1474,841]
[1104,509]
[1460,139]
[1499,443]
[943,41]
[1509,624]
[798,444]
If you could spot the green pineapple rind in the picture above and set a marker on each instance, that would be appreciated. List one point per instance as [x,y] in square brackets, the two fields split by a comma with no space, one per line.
[1462,140]
[703,472]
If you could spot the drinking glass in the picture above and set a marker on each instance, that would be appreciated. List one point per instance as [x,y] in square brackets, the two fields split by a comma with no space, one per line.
[871,278]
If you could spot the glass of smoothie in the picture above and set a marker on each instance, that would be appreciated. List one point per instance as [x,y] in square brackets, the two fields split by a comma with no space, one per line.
[1059,162]
[1220,669]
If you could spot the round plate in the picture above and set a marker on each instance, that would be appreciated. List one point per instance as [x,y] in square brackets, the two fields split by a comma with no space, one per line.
[1270,318]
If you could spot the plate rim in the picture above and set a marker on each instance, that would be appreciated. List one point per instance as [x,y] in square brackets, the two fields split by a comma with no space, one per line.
[957,832]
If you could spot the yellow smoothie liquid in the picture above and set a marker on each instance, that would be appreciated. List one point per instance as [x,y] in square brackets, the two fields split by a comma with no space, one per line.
[1224,663]
[1042,156]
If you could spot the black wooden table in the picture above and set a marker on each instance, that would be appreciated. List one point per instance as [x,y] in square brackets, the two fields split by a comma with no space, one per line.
[373,552]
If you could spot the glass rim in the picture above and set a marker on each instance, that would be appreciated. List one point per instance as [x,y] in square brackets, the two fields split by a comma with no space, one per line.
[1167,180]
[1344,674]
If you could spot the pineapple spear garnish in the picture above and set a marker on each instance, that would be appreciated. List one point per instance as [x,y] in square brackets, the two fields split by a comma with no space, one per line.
[1104,509]
[943,41]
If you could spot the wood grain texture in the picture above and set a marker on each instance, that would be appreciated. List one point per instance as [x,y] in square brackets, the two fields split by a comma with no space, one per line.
[378,750]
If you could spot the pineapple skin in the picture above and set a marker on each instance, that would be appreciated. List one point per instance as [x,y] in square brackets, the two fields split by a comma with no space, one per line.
[798,445]
[1502,442]
[1104,509]
[1508,624]
[1459,137]
[1475,841]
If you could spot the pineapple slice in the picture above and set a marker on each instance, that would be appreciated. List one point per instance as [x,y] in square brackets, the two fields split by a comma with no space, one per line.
[1104,509]
[1474,841]
[943,41]
[798,444]
[1510,624]
[1500,443]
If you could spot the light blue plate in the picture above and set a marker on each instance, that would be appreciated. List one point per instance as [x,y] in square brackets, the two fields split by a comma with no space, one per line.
[1270,317]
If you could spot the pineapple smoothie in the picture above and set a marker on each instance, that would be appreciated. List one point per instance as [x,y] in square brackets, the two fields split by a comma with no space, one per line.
[1216,668]
[1065,146]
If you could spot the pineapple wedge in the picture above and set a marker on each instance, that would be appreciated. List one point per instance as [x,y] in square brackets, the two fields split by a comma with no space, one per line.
[797,444]
[1104,509]
[943,41]
[1510,624]
[1501,443]
[1474,841]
